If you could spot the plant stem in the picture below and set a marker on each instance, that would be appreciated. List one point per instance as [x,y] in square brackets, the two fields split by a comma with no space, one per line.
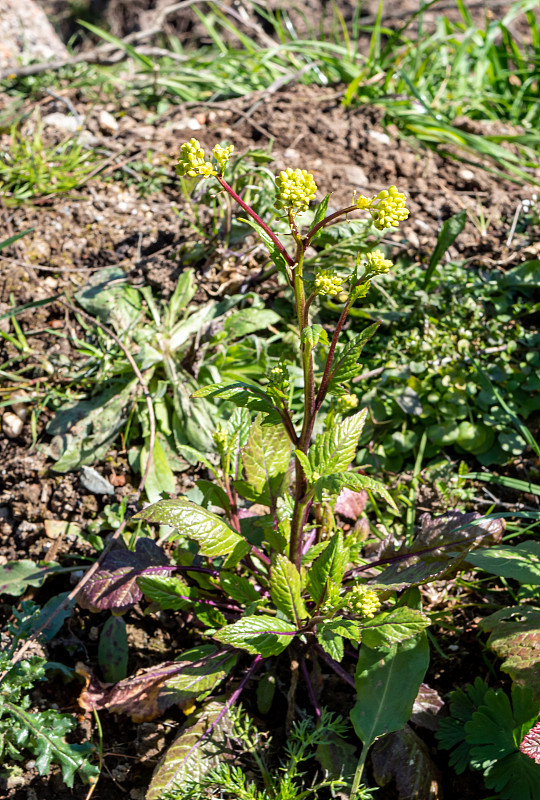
[359,771]
[323,388]
[256,218]
[327,221]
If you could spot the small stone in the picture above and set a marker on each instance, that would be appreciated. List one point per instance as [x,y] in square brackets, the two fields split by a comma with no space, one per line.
[187,123]
[466,175]
[122,206]
[291,154]
[66,123]
[355,176]
[12,425]
[380,137]
[107,122]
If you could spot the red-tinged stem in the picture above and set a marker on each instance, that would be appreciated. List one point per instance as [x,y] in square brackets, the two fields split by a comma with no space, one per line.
[258,220]
[326,221]
[311,691]
[321,394]
[338,669]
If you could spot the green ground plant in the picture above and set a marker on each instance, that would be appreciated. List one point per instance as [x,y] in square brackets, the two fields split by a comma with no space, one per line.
[272,572]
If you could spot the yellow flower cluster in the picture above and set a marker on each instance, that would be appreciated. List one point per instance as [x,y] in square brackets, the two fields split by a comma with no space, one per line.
[346,403]
[364,601]
[327,282]
[278,383]
[222,155]
[387,209]
[376,262]
[193,162]
[296,189]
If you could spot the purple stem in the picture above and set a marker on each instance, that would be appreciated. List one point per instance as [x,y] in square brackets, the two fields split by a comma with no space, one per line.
[316,705]
[343,674]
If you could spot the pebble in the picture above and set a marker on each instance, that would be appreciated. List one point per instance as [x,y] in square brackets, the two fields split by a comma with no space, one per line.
[356,176]
[189,123]
[107,122]
[12,425]
[62,122]
[380,137]
[466,174]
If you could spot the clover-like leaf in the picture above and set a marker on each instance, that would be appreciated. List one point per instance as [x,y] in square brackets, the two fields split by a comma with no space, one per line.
[213,535]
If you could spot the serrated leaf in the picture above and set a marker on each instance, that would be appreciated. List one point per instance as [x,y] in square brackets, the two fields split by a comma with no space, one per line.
[152,691]
[286,589]
[384,699]
[213,535]
[522,562]
[238,587]
[114,585]
[266,454]
[333,450]
[329,565]
[196,750]
[241,394]
[320,214]
[390,627]
[332,643]
[346,362]
[169,591]
[262,634]
[515,637]
[333,484]
[313,334]
[304,461]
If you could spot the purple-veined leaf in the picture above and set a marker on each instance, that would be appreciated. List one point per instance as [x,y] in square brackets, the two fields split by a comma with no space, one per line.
[152,691]
[196,750]
[262,634]
[530,746]
[114,586]
[213,535]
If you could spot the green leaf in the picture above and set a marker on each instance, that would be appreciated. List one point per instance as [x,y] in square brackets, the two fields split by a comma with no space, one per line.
[266,454]
[212,534]
[15,576]
[346,363]
[45,735]
[498,726]
[263,634]
[333,484]
[12,239]
[331,642]
[160,477]
[320,214]
[113,650]
[238,587]
[195,751]
[329,565]
[387,684]
[241,394]
[143,60]
[247,320]
[286,589]
[167,590]
[111,298]
[304,461]
[522,562]
[450,230]
[334,449]
[515,777]
[394,626]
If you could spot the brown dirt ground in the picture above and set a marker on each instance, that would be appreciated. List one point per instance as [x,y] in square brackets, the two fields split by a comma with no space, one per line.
[105,223]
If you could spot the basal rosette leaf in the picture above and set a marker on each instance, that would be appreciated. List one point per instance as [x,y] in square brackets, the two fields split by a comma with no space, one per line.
[520,562]
[114,585]
[262,634]
[152,691]
[196,750]
[213,535]
[334,449]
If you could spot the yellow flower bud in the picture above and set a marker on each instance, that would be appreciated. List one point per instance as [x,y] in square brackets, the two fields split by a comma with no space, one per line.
[327,282]
[364,601]
[222,156]
[296,189]
[376,262]
[192,161]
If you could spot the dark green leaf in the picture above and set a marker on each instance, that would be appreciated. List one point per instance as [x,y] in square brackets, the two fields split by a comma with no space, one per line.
[390,627]
[329,565]
[113,650]
[450,230]
[262,634]
[522,562]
